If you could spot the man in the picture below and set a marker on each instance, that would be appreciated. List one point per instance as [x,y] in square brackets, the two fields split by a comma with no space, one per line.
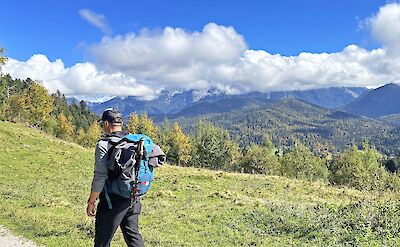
[121,213]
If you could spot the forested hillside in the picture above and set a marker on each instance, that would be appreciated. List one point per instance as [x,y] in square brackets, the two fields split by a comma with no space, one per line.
[290,120]
[29,102]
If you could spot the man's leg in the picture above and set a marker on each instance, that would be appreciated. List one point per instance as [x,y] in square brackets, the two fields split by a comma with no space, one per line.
[130,227]
[107,222]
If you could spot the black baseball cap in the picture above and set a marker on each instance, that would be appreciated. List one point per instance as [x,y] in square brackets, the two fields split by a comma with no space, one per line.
[111,115]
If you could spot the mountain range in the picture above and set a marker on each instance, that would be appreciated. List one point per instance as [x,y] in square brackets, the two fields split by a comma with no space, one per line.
[177,103]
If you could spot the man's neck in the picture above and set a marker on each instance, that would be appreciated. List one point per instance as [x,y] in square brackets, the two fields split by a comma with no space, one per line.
[115,129]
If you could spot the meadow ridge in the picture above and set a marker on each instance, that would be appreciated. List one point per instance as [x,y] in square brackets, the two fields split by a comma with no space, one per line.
[45,182]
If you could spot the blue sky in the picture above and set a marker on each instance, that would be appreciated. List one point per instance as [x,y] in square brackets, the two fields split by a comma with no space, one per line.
[288,27]
[234,46]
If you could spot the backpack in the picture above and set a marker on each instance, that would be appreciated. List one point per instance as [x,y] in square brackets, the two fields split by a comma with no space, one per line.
[130,174]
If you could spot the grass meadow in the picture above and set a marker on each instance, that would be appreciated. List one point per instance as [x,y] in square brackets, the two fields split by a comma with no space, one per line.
[45,183]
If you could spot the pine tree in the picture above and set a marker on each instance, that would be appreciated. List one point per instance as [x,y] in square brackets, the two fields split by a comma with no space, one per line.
[165,136]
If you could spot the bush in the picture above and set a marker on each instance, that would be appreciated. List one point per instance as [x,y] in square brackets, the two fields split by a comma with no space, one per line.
[259,159]
[213,148]
[302,164]
[360,169]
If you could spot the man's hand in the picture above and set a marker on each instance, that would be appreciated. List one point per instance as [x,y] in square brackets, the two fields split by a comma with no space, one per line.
[90,210]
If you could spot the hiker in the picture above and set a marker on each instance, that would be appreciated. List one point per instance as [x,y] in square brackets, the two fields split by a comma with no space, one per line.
[115,208]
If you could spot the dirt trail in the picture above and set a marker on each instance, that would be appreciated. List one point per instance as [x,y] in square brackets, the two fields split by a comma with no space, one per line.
[7,239]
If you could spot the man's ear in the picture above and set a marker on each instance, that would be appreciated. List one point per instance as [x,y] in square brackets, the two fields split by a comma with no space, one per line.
[106,125]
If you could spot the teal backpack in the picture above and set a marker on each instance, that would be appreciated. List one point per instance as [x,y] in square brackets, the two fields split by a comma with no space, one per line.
[130,174]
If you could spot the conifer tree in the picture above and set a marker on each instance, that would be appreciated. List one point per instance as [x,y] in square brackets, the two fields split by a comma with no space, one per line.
[165,135]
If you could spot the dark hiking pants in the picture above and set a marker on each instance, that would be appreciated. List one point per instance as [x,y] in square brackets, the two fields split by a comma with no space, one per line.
[121,214]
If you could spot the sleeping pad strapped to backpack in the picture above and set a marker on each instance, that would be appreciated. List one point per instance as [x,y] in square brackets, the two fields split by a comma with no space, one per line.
[130,175]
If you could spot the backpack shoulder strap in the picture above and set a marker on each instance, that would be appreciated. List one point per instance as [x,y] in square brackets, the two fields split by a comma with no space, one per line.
[113,141]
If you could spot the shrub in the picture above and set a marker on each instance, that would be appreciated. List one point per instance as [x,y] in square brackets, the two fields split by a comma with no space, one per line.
[213,147]
[302,164]
[360,169]
[259,159]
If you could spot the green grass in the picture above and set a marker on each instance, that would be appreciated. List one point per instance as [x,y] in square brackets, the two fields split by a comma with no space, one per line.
[45,182]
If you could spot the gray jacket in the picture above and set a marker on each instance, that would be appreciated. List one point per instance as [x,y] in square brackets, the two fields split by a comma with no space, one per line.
[156,158]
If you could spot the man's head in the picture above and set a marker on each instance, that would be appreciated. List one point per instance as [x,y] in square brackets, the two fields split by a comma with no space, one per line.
[111,120]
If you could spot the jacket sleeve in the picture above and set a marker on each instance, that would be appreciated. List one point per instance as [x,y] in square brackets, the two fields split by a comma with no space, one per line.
[100,167]
[157,157]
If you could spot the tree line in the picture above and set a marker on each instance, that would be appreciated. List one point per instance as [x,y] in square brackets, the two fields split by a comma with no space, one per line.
[361,167]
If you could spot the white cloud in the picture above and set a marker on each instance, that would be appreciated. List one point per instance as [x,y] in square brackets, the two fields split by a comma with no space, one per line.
[217,57]
[385,26]
[96,20]
[80,79]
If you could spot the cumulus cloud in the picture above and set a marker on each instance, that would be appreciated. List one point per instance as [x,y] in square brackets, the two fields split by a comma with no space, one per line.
[80,79]
[96,20]
[217,57]
[385,26]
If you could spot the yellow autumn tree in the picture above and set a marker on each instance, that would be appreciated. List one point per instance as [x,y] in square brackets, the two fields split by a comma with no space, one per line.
[181,147]
[40,102]
[33,105]
[65,128]
[81,138]
[147,127]
[142,125]
[93,134]
[133,123]
[19,107]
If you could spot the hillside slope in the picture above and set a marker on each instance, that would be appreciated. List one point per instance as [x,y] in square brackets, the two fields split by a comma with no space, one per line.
[379,102]
[44,183]
[289,120]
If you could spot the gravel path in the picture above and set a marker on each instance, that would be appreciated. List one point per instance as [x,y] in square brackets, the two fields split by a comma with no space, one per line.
[9,240]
